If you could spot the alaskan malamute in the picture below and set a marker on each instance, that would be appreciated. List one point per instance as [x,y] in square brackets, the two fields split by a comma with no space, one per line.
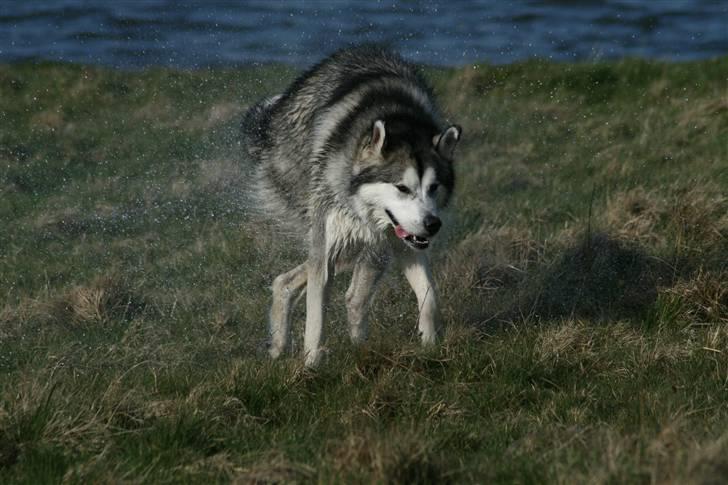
[355,157]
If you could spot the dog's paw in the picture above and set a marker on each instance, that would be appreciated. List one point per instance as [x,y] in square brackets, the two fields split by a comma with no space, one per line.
[274,351]
[314,358]
[428,338]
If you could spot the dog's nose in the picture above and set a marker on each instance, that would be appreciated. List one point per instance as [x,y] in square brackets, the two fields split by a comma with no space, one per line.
[432,224]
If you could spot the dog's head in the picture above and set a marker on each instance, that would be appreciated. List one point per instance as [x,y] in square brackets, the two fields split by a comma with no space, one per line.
[404,177]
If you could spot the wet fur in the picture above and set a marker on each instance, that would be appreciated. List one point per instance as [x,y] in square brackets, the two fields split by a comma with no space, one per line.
[327,155]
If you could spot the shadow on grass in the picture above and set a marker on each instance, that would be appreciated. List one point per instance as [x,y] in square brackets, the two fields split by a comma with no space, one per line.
[601,277]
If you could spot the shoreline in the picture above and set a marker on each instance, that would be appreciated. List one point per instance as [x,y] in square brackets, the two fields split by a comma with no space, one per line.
[294,67]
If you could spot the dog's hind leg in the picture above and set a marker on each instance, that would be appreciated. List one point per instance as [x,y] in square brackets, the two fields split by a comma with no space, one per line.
[416,268]
[359,295]
[285,289]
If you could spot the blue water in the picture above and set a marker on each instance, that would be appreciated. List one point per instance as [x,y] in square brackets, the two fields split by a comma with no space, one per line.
[140,33]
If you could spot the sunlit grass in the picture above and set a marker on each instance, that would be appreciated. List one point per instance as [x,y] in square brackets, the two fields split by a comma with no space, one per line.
[584,286]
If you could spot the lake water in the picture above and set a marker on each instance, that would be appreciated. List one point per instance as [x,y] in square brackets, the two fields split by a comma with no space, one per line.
[139,33]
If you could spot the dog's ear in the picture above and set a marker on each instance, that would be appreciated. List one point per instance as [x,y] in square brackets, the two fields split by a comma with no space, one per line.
[446,141]
[371,153]
[377,141]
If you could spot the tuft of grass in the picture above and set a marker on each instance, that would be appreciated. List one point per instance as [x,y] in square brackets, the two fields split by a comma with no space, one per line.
[106,299]
[583,282]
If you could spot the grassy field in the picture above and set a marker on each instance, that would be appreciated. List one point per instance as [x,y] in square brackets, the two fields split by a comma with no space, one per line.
[584,286]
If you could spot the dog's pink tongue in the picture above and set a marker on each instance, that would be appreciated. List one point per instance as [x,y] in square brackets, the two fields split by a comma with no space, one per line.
[401,233]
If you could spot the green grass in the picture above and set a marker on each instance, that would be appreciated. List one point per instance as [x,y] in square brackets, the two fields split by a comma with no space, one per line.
[584,288]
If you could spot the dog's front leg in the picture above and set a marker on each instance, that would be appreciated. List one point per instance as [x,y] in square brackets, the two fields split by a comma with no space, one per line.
[320,272]
[416,268]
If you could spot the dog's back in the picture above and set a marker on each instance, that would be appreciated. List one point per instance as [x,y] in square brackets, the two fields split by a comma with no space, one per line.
[292,138]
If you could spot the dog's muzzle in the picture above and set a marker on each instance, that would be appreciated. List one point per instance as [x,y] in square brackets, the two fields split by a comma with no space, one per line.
[412,240]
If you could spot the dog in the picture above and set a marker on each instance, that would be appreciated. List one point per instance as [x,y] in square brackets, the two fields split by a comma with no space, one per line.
[356,152]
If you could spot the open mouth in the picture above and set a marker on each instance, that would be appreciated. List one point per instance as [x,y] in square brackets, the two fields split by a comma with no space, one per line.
[412,240]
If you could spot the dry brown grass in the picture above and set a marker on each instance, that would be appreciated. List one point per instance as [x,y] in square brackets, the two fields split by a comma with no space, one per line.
[570,340]
[107,297]
[693,218]
[635,215]
[401,457]
[702,299]
[707,462]
[274,468]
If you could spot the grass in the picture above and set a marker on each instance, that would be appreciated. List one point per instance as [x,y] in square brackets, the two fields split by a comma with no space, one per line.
[585,289]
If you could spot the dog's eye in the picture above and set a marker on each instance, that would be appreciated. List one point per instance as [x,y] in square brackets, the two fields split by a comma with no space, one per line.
[403,188]
[432,188]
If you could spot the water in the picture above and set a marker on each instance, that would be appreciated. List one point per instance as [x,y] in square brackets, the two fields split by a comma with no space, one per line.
[139,33]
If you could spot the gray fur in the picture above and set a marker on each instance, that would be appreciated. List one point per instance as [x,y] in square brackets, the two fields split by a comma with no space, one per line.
[327,154]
